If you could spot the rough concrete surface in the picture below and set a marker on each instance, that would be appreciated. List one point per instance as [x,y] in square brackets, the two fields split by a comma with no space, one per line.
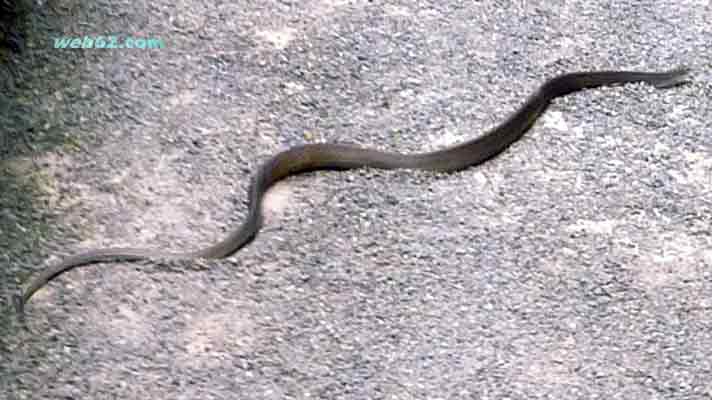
[578,264]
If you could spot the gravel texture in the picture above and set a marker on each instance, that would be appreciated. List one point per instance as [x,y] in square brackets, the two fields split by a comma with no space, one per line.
[578,264]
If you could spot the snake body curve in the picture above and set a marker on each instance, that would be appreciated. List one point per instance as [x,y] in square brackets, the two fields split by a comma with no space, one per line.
[331,156]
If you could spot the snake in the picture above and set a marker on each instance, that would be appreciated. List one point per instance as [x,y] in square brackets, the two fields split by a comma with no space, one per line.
[335,156]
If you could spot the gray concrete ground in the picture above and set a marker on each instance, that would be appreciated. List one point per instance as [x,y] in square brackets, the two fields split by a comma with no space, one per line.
[576,265]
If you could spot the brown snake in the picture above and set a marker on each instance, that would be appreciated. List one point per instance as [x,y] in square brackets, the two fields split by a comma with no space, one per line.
[324,156]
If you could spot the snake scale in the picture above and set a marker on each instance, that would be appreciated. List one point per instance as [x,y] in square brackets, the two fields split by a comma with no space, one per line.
[332,156]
